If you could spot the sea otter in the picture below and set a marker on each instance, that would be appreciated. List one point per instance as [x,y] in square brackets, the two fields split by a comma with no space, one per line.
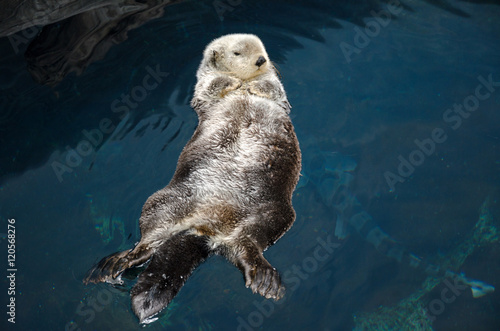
[232,189]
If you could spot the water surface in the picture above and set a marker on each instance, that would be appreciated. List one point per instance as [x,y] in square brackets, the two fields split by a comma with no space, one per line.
[84,144]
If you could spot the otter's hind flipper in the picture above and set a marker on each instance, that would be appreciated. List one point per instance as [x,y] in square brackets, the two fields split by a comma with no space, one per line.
[171,265]
[110,267]
[107,269]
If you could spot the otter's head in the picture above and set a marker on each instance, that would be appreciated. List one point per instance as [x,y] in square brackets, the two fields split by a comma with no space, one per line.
[240,55]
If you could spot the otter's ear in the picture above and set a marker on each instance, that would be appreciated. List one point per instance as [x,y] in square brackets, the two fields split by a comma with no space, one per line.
[214,57]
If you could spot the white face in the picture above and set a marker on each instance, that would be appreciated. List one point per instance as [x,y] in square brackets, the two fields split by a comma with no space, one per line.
[241,55]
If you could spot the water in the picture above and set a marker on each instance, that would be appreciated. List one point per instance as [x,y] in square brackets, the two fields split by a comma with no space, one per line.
[78,159]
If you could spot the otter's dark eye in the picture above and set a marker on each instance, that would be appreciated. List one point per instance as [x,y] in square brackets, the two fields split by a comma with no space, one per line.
[236,53]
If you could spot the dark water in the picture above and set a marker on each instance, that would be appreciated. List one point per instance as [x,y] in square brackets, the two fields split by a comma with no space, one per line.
[94,116]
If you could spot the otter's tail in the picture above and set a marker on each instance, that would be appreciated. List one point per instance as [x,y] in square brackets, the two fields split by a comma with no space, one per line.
[171,265]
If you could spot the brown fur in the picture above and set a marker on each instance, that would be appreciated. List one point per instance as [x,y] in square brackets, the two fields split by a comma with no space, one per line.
[232,189]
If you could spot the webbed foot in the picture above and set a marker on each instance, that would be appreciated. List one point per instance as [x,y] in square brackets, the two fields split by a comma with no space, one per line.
[263,279]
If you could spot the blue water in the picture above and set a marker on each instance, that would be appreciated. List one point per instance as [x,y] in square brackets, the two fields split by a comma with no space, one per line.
[77,160]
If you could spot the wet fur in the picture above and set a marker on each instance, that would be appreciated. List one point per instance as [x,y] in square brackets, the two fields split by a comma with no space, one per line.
[231,192]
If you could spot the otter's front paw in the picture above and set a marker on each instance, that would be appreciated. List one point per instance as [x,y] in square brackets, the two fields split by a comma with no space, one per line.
[235,84]
[264,89]
[265,280]
[221,86]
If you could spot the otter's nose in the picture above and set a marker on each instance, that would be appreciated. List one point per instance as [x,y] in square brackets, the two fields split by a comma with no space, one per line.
[260,61]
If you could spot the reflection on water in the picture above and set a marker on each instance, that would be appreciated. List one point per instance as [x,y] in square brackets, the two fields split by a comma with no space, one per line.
[98,93]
